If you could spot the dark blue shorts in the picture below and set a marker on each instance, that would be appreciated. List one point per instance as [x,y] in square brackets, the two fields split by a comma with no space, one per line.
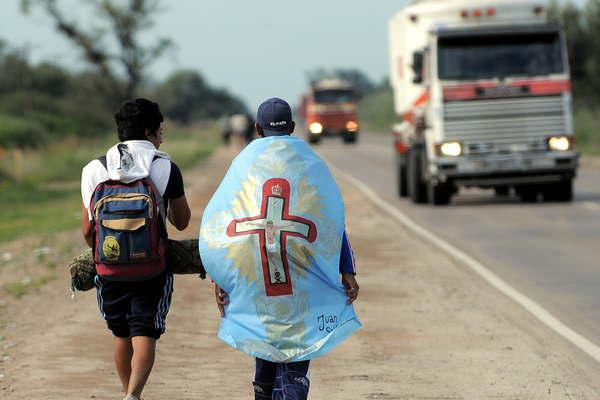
[281,381]
[135,308]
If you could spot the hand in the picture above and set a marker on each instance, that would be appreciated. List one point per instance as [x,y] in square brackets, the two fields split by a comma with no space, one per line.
[222,299]
[349,281]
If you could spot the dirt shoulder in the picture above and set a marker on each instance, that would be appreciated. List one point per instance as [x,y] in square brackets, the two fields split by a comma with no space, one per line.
[590,162]
[431,330]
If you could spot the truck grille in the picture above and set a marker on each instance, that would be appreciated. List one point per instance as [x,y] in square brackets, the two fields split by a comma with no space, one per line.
[505,125]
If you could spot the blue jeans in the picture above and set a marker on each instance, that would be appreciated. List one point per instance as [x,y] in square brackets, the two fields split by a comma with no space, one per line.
[281,381]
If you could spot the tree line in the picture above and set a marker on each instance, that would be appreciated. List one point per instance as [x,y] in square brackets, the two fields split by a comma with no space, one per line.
[582,30]
[44,101]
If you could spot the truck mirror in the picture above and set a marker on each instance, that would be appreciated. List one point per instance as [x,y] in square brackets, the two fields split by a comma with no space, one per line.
[417,66]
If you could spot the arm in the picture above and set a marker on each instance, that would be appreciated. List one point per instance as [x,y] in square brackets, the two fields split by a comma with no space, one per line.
[86,226]
[347,264]
[349,281]
[222,299]
[179,213]
[348,270]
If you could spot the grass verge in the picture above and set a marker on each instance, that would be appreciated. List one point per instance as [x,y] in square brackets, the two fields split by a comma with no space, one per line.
[20,288]
[587,130]
[376,111]
[42,196]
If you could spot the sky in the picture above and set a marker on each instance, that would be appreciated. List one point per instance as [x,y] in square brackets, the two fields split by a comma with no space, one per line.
[255,48]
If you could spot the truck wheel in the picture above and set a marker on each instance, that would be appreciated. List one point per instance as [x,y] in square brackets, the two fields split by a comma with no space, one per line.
[502,191]
[313,139]
[417,188]
[528,194]
[562,191]
[402,177]
[439,194]
[350,138]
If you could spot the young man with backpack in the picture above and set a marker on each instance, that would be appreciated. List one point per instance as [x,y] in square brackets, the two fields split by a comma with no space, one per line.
[125,194]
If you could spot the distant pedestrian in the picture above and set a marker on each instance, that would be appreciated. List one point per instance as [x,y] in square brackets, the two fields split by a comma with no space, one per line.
[125,195]
[241,127]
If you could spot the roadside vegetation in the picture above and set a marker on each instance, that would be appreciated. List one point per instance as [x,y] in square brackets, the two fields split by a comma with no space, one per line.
[376,110]
[587,130]
[582,27]
[42,192]
[55,119]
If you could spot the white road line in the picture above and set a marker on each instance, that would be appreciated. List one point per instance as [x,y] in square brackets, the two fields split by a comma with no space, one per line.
[534,308]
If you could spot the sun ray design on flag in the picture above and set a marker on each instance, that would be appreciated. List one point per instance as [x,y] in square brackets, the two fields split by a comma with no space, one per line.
[274,159]
[246,201]
[239,252]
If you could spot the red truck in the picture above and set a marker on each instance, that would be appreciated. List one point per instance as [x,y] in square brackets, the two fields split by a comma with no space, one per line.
[330,109]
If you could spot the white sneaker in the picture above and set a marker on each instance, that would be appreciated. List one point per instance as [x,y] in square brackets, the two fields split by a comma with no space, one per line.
[131,397]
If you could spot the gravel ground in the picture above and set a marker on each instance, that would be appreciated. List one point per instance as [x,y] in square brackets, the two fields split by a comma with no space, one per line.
[431,330]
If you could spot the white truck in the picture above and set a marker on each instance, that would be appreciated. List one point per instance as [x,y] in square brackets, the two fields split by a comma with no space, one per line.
[483,91]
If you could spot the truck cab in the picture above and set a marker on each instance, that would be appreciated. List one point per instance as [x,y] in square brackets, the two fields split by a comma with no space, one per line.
[330,109]
[485,100]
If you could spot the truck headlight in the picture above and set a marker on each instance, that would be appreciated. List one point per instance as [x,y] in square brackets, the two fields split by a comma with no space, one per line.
[559,143]
[351,126]
[315,128]
[450,149]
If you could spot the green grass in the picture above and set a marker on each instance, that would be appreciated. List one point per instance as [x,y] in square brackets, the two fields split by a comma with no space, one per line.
[20,288]
[376,111]
[188,146]
[41,194]
[35,209]
[587,130]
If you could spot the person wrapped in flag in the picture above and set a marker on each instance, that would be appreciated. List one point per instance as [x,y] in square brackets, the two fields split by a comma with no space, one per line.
[273,240]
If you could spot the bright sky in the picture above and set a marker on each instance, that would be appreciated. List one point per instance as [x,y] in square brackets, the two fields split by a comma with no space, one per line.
[255,48]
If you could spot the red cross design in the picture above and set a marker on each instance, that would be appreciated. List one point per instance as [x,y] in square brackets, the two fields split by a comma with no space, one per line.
[273,226]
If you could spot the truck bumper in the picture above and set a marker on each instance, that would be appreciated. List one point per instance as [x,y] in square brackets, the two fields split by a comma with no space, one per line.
[506,169]
[336,132]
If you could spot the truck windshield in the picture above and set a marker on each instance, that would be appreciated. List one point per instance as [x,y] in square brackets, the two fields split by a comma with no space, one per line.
[334,96]
[481,57]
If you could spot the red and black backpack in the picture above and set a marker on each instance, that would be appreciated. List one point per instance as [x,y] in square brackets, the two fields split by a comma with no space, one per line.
[129,230]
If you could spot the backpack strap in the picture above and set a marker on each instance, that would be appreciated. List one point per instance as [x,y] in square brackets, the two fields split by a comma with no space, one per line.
[159,198]
[103,162]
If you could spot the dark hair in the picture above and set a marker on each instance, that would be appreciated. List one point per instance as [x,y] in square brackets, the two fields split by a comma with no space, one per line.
[134,117]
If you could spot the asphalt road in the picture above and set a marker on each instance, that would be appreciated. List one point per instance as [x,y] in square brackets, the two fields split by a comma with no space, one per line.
[549,252]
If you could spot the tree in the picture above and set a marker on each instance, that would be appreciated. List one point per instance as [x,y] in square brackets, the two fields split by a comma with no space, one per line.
[125,20]
[356,77]
[592,45]
[185,97]
[572,19]
[582,29]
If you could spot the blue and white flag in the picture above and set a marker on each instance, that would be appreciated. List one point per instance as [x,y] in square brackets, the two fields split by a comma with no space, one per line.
[271,238]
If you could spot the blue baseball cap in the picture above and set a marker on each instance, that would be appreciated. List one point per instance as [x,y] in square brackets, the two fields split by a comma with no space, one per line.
[275,117]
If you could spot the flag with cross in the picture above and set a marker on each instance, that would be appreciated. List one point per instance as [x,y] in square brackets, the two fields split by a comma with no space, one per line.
[271,237]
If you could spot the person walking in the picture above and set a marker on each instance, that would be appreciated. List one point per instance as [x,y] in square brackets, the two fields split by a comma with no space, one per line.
[128,195]
[273,239]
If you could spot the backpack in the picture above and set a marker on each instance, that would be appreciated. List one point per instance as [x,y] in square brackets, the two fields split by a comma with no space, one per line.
[129,230]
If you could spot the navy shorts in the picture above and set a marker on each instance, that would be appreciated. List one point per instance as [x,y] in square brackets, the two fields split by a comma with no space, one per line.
[135,308]
[278,381]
